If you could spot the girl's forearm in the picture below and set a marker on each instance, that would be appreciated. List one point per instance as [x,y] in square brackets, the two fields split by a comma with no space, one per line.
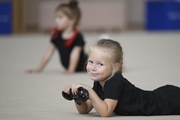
[73,64]
[43,63]
[99,105]
[83,108]
[45,59]
[74,58]
[103,107]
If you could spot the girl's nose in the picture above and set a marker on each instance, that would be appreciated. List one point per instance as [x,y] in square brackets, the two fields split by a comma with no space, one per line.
[93,67]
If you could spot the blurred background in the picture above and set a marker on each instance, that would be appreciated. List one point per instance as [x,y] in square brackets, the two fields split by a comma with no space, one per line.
[148,30]
[37,16]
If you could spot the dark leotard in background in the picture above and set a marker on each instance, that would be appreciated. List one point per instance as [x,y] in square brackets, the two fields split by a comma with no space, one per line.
[64,51]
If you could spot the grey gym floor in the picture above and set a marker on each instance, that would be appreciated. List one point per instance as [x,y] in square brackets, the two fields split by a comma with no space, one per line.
[151,59]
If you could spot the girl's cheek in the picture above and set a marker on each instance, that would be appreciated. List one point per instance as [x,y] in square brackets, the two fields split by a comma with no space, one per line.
[57,20]
[87,67]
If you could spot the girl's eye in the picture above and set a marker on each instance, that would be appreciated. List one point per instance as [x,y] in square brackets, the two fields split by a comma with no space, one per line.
[59,17]
[100,64]
[90,61]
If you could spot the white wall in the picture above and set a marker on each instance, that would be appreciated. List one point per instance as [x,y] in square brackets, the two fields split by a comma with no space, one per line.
[96,15]
[136,11]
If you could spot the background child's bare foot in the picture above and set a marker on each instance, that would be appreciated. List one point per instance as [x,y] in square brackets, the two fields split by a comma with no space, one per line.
[66,73]
[31,71]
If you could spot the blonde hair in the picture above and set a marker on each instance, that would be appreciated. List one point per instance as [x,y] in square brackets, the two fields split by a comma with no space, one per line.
[114,52]
[70,9]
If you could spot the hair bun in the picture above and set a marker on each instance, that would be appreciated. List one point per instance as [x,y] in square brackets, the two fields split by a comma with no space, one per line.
[73,3]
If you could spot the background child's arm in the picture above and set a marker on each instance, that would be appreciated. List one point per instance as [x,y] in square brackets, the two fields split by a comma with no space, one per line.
[46,57]
[74,58]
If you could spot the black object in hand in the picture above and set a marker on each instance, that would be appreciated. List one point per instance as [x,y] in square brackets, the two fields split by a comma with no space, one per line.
[81,96]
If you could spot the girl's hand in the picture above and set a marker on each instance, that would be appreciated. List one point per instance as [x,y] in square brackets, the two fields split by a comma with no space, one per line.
[85,107]
[73,88]
[30,71]
[67,88]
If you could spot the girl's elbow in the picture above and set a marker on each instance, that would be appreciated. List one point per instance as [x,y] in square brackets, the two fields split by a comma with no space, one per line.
[105,115]
[83,112]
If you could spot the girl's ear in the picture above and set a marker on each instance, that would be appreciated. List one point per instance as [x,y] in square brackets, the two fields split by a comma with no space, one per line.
[117,66]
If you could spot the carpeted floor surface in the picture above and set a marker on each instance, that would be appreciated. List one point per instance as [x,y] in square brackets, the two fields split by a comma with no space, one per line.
[150,60]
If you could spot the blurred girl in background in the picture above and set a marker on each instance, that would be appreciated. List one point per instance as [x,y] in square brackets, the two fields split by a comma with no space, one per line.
[66,39]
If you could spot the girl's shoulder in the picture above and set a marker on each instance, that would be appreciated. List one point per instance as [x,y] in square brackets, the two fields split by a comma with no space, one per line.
[116,77]
[79,40]
[80,36]
[54,33]
[117,80]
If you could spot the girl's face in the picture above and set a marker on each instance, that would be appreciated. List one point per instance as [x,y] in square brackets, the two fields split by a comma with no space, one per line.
[62,21]
[98,66]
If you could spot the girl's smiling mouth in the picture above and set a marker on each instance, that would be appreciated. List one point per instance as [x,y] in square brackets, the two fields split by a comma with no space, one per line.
[94,74]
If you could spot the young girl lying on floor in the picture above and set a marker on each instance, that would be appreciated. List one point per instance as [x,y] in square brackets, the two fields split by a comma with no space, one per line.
[114,93]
